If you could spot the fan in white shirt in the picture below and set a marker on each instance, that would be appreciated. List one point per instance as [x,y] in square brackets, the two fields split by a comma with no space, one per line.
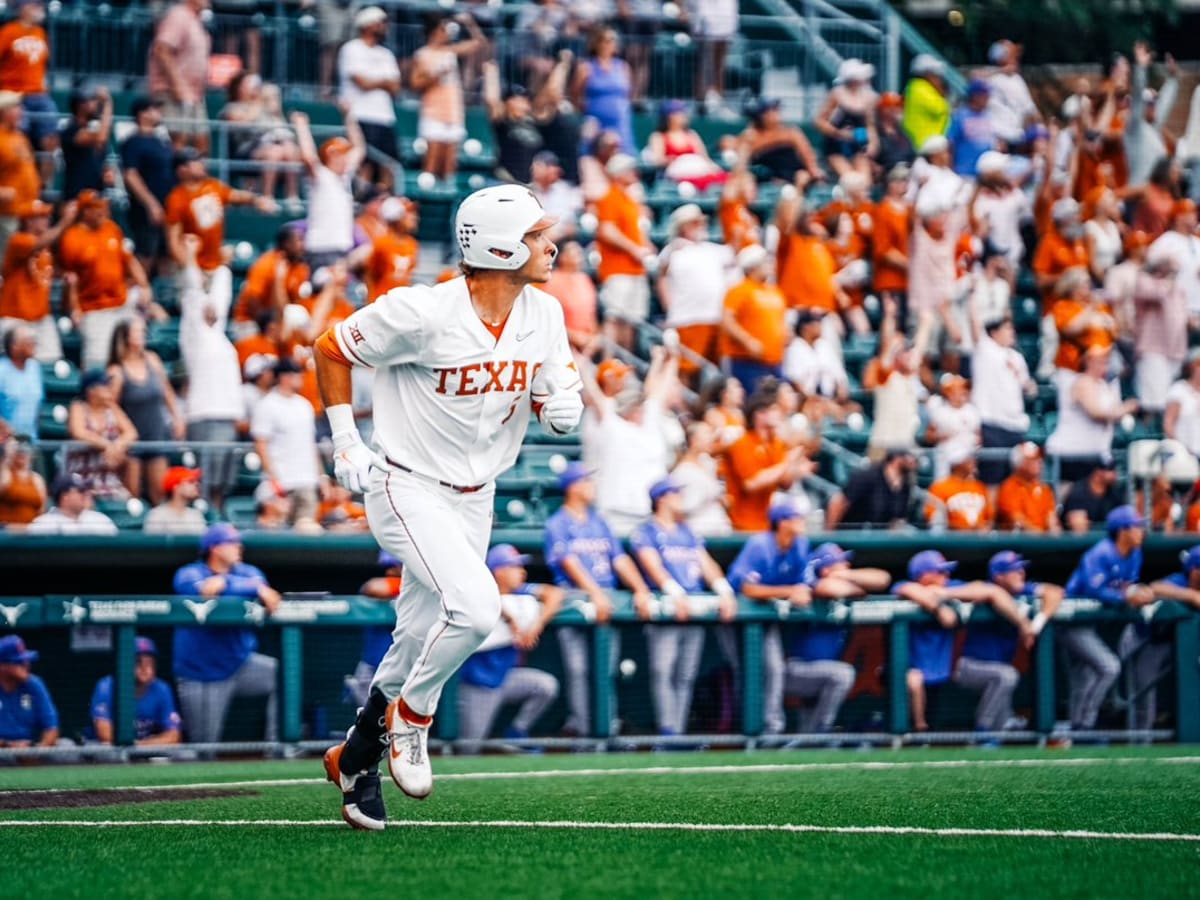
[999,207]
[72,512]
[1181,420]
[702,492]
[954,423]
[331,169]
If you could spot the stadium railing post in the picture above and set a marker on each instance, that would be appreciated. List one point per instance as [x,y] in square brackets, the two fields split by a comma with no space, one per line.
[291,640]
[898,675]
[1187,680]
[752,678]
[1045,709]
[447,714]
[602,681]
[124,691]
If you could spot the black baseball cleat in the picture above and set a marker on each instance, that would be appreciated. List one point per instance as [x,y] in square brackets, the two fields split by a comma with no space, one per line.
[362,794]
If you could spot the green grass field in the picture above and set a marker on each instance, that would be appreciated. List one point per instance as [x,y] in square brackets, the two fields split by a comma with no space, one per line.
[922,823]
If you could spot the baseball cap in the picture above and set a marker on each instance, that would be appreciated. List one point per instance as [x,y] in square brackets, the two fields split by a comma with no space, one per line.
[1064,208]
[937,143]
[574,472]
[952,382]
[185,155]
[671,107]
[68,481]
[991,162]
[503,555]
[141,104]
[392,209]
[760,105]
[1107,462]
[684,215]
[828,554]
[371,15]
[1190,558]
[218,534]
[1183,207]
[901,171]
[662,487]
[851,70]
[978,86]
[891,100]
[547,158]
[13,651]
[1137,238]
[1004,562]
[287,366]
[143,646]
[177,475]
[926,64]
[89,198]
[1123,517]
[387,561]
[927,562]
[785,509]
[256,364]
[752,257]
[959,453]
[620,164]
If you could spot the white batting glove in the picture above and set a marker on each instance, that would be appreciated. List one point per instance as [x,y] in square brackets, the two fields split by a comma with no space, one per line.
[352,461]
[562,411]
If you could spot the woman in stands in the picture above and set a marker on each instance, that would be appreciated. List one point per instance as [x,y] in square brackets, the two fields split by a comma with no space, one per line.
[435,76]
[603,85]
[680,151]
[1093,406]
[847,120]
[261,132]
[105,433]
[143,391]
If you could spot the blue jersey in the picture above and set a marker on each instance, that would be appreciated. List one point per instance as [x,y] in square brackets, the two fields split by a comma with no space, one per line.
[995,641]
[377,640]
[155,707]
[679,548]
[27,711]
[590,541]
[1104,574]
[489,668]
[214,654]
[930,646]
[971,135]
[762,562]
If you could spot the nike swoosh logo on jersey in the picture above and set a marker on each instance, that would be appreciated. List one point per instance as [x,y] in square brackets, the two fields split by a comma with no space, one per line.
[521,337]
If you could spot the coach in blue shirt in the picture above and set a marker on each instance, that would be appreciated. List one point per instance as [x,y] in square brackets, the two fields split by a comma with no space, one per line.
[214,665]
[157,720]
[28,716]
[584,554]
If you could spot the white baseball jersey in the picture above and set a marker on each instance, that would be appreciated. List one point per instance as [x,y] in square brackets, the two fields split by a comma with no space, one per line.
[451,401]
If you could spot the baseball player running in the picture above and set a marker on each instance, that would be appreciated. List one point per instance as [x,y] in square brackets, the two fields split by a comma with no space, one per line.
[458,367]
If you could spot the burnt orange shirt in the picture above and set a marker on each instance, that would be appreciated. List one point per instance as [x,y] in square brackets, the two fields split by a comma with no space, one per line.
[893,231]
[1071,348]
[759,309]
[24,55]
[100,261]
[966,500]
[862,214]
[1024,503]
[255,343]
[806,270]
[749,456]
[391,264]
[200,209]
[1055,254]
[1193,517]
[256,296]
[18,170]
[623,211]
[738,223]
[25,292]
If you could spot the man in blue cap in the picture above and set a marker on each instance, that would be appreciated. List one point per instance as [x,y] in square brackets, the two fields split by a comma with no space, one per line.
[676,562]
[214,665]
[815,667]
[1146,648]
[376,638]
[773,567]
[157,722]
[28,717]
[972,132]
[931,646]
[1110,572]
[493,676]
[584,554]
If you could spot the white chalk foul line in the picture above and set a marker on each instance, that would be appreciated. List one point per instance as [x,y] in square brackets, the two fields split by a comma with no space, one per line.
[887,830]
[760,768]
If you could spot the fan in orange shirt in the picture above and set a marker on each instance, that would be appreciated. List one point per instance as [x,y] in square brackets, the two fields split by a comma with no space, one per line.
[329,307]
[24,58]
[804,265]
[19,184]
[624,291]
[892,234]
[962,497]
[197,207]
[28,271]
[276,279]
[1061,248]
[1024,502]
[739,226]
[1083,318]
[753,331]
[390,260]
[759,464]
[855,202]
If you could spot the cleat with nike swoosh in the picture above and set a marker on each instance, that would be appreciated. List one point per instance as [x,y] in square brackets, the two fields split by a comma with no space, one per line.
[408,754]
[362,794]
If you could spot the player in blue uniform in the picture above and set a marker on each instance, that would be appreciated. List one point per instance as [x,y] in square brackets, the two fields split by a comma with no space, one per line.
[931,646]
[28,717]
[815,667]
[1110,572]
[676,562]
[493,676]
[773,567]
[986,661]
[584,554]
[157,720]
[214,665]
[1146,648]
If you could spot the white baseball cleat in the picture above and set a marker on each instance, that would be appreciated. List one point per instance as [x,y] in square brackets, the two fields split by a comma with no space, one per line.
[408,754]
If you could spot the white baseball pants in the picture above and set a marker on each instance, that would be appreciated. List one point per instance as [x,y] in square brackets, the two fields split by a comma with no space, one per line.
[449,601]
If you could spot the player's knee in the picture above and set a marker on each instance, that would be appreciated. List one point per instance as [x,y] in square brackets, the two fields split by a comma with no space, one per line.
[1110,666]
[1008,677]
[547,685]
[843,676]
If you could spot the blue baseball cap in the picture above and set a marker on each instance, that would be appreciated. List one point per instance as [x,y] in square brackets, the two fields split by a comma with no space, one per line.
[13,652]
[503,555]
[1124,517]
[928,561]
[662,487]
[91,378]
[978,86]
[1004,562]
[785,509]
[1190,559]
[574,472]
[387,561]
[828,554]
[143,646]
[221,533]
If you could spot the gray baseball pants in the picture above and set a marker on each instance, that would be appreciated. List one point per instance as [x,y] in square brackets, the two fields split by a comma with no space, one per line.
[477,706]
[996,681]
[829,680]
[574,644]
[1146,662]
[674,652]
[1093,669]
[204,704]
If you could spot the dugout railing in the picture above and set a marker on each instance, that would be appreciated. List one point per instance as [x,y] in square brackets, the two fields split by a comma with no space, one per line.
[301,615]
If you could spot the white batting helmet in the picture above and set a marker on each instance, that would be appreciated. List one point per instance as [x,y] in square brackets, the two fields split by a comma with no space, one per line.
[491,223]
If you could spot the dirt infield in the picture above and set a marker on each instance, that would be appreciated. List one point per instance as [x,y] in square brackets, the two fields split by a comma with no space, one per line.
[80,799]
